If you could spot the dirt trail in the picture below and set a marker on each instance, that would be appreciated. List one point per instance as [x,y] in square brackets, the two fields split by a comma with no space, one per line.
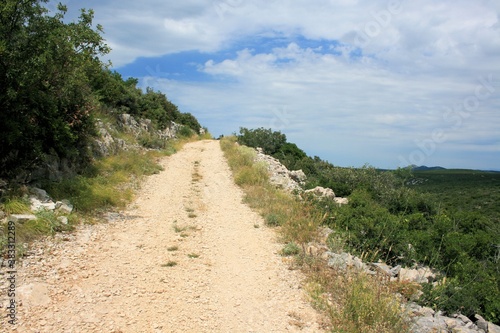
[120,276]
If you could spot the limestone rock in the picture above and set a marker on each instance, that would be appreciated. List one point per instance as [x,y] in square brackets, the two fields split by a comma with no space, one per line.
[420,275]
[341,201]
[323,234]
[344,261]
[429,324]
[322,192]
[37,205]
[64,207]
[21,218]
[492,328]
[279,175]
[481,323]
[40,194]
[298,175]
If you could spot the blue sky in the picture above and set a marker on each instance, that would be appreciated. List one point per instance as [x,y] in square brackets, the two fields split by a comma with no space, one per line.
[385,83]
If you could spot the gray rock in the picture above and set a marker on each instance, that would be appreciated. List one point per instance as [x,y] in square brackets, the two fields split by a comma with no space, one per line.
[341,201]
[37,205]
[21,218]
[481,323]
[63,220]
[298,175]
[429,325]
[40,194]
[464,330]
[278,173]
[420,275]
[337,261]
[322,192]
[64,207]
[323,234]
[383,268]
[465,320]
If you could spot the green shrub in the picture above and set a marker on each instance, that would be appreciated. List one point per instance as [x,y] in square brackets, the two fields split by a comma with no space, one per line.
[275,219]
[185,132]
[269,141]
[290,249]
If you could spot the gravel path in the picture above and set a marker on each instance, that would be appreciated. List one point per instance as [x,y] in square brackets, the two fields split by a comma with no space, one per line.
[187,256]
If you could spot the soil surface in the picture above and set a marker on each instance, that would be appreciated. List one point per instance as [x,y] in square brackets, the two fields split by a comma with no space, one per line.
[187,256]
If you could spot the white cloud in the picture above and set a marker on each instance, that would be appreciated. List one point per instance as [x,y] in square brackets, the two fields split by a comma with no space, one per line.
[417,59]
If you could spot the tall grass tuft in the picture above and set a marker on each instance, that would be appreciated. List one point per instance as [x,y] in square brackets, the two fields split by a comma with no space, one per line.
[15,205]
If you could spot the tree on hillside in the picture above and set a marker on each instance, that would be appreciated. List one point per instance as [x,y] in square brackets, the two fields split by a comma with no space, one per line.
[270,142]
[45,94]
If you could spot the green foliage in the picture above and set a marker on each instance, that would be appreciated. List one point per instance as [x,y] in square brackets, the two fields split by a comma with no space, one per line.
[290,249]
[464,241]
[14,205]
[185,132]
[269,141]
[189,120]
[45,94]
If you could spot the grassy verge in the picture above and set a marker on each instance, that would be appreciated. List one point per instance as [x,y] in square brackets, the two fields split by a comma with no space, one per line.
[353,301]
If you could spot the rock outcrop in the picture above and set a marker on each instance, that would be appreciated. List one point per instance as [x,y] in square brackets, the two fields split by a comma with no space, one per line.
[279,175]
[327,193]
[107,144]
[293,181]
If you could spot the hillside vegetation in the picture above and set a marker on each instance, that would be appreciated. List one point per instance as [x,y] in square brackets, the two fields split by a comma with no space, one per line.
[53,86]
[449,221]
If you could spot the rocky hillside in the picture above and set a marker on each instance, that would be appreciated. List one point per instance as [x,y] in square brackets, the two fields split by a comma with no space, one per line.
[425,319]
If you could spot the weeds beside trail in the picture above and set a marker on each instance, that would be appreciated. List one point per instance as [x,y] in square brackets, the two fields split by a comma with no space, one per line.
[353,301]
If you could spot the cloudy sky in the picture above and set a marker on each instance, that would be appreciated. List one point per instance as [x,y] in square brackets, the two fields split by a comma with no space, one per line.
[388,83]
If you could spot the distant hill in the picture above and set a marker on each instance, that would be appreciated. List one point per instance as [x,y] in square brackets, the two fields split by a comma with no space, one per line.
[426,168]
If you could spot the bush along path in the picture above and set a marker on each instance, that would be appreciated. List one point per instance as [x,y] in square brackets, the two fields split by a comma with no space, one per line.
[187,256]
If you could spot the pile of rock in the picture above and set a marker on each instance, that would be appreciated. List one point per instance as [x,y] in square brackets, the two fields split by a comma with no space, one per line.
[327,193]
[279,175]
[427,320]
[293,181]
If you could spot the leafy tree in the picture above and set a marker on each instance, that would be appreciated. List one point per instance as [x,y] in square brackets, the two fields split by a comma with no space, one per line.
[45,95]
[189,120]
[270,142]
